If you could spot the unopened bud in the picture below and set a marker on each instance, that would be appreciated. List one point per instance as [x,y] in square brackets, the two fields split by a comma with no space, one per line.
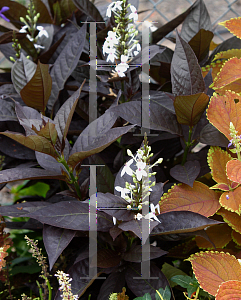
[12,59]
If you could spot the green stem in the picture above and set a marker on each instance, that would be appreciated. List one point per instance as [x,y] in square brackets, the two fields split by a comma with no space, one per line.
[188,145]
[74,180]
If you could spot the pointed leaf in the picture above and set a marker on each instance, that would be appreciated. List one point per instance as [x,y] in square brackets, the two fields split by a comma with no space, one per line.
[226,107]
[113,284]
[71,215]
[95,144]
[160,118]
[34,142]
[229,73]
[186,75]
[200,43]
[66,63]
[65,113]
[55,241]
[233,168]
[232,200]
[7,111]
[186,173]
[88,8]
[219,240]
[16,10]
[210,135]
[22,71]
[17,174]
[228,54]
[141,286]
[135,253]
[181,222]
[217,160]
[236,237]
[233,25]
[213,268]
[197,19]
[49,132]
[40,8]
[37,91]
[199,199]
[231,218]
[189,109]
[229,290]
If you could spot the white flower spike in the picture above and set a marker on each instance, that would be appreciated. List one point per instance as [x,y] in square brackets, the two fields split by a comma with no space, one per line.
[127,168]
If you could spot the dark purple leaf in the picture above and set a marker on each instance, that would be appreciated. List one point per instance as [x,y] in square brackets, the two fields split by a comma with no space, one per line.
[66,63]
[14,149]
[161,32]
[49,163]
[211,136]
[71,215]
[106,258]
[136,227]
[186,173]
[197,19]
[113,284]
[7,110]
[147,54]
[96,137]
[157,191]
[181,222]
[88,8]
[22,71]
[104,179]
[55,241]
[142,286]
[135,253]
[81,280]
[114,206]
[64,116]
[16,174]
[160,117]
[21,209]
[186,73]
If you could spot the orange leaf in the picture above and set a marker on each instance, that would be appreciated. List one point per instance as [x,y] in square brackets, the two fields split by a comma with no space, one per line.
[232,200]
[217,160]
[228,54]
[226,107]
[230,72]
[231,218]
[233,169]
[229,290]
[199,199]
[213,268]
[215,66]
[37,91]
[233,25]
[190,108]
[213,232]
[236,237]
[233,86]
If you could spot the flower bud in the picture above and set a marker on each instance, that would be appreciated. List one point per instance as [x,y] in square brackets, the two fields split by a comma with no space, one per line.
[139,206]
[128,207]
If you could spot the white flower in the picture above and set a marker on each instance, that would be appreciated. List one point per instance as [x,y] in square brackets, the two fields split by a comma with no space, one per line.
[140,170]
[121,68]
[109,9]
[127,168]
[124,59]
[118,5]
[107,47]
[133,15]
[112,38]
[114,220]
[111,56]
[42,31]
[23,29]
[36,46]
[138,216]
[123,191]
[152,214]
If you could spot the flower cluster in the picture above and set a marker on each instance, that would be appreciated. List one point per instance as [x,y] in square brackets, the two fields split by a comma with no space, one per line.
[3,254]
[120,44]
[30,26]
[65,286]
[235,141]
[136,194]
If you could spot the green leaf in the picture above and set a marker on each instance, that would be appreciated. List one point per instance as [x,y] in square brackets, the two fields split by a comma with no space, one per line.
[147,296]
[165,294]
